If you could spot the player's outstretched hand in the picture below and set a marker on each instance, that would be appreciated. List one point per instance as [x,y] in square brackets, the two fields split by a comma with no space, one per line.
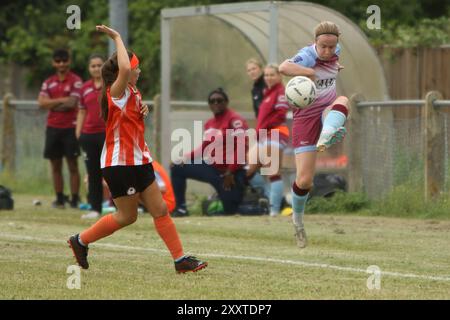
[113,34]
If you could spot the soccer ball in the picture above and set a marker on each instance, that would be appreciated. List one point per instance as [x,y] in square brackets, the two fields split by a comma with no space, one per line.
[300,92]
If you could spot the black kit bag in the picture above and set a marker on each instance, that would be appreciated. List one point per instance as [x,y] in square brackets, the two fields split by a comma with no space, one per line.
[6,200]
[326,185]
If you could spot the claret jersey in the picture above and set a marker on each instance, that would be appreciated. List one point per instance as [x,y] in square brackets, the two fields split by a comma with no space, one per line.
[326,73]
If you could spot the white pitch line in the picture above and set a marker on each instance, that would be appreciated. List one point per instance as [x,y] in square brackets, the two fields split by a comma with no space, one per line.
[262,259]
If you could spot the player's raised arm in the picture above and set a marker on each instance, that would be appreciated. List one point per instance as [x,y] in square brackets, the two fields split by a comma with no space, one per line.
[291,69]
[120,84]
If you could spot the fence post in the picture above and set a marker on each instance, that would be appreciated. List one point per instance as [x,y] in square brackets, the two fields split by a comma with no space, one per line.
[8,151]
[157,125]
[433,147]
[353,146]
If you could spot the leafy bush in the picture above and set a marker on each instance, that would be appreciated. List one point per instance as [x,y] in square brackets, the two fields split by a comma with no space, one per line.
[406,201]
[339,202]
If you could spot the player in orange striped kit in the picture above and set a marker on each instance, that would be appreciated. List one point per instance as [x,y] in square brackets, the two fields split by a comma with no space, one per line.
[126,162]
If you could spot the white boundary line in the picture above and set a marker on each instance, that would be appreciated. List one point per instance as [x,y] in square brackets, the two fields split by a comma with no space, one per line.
[262,259]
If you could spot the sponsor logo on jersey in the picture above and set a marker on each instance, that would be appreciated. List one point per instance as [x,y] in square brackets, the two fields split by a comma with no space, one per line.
[325,83]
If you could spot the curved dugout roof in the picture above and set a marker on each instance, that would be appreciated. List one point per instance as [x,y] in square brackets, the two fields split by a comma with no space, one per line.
[291,25]
[276,30]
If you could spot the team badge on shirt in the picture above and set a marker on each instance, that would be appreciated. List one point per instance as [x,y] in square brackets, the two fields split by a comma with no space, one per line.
[237,123]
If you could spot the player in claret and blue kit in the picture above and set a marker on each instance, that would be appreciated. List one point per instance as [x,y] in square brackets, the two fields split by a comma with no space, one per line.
[321,124]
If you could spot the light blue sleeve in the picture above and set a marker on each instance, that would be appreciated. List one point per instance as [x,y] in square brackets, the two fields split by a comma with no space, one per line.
[306,57]
[338,50]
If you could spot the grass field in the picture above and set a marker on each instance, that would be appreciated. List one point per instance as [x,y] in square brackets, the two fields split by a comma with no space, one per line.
[249,258]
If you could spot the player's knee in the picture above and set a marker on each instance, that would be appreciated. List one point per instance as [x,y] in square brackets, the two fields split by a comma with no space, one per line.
[73,167]
[57,169]
[342,100]
[304,182]
[126,220]
[131,219]
[73,170]
[161,210]
[56,166]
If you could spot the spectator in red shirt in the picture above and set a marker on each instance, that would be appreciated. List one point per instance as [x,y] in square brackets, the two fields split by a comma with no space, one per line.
[272,121]
[228,179]
[59,95]
[90,132]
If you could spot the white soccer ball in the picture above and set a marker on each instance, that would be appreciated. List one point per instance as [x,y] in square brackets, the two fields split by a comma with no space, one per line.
[300,92]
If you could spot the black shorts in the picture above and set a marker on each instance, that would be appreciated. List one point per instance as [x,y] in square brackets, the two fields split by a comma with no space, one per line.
[61,143]
[128,180]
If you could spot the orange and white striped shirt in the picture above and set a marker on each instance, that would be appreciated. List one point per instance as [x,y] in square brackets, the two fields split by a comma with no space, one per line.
[125,143]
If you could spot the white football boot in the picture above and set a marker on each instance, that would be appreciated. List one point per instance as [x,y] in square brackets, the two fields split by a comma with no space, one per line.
[328,138]
[91,215]
[300,236]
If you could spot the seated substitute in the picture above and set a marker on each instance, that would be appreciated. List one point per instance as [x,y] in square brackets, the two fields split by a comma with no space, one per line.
[225,173]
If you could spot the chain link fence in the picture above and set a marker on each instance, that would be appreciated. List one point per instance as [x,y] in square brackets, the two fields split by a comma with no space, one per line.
[391,152]
[388,151]
[27,136]
[384,151]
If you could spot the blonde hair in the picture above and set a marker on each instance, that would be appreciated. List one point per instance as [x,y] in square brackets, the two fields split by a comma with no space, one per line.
[326,27]
[254,61]
[273,66]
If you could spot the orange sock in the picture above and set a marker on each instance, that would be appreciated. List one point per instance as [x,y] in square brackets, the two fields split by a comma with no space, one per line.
[102,228]
[167,231]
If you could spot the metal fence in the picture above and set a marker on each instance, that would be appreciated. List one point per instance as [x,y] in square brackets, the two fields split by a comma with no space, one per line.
[22,128]
[384,151]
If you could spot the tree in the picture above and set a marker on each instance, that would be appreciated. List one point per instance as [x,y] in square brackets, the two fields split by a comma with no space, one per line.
[32,29]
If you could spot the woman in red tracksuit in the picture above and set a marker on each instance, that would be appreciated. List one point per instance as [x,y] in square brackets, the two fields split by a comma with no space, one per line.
[90,132]
[273,136]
